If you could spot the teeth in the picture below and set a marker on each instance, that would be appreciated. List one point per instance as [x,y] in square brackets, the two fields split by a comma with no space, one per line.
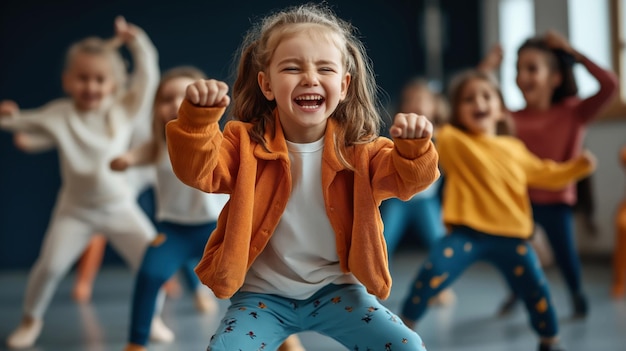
[309,97]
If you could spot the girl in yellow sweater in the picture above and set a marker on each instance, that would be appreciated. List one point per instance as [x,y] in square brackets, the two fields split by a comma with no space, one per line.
[486,206]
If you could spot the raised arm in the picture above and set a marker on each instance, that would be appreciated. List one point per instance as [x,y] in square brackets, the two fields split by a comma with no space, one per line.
[589,108]
[145,76]
[492,61]
[202,157]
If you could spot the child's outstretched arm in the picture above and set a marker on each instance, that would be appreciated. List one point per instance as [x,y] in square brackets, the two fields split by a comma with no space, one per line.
[145,76]
[492,61]
[35,121]
[409,165]
[589,108]
[550,175]
[411,126]
[202,157]
[31,142]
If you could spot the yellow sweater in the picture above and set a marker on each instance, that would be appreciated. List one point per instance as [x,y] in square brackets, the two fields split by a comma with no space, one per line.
[487,180]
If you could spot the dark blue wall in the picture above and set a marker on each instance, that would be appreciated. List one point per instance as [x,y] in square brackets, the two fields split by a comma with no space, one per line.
[35,34]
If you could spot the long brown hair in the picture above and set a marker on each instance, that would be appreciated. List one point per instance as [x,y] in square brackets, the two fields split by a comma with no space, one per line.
[558,61]
[357,115]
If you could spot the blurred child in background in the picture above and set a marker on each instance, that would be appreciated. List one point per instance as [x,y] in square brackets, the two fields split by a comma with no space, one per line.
[89,127]
[486,205]
[421,215]
[552,125]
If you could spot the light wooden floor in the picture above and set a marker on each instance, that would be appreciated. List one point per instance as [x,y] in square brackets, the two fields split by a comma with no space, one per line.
[470,325]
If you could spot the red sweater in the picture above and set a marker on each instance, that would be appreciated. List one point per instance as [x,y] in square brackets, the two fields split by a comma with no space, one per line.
[557,133]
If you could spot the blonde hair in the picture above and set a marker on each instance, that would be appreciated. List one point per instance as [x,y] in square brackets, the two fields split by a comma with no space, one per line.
[357,114]
[504,126]
[99,47]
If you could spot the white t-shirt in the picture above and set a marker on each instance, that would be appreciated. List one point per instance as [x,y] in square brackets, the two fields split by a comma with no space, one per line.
[182,204]
[301,256]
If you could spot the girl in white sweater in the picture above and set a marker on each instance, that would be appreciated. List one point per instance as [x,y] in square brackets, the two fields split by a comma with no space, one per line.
[88,128]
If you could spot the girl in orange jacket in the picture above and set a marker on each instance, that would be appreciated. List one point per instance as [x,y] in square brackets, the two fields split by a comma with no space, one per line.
[299,245]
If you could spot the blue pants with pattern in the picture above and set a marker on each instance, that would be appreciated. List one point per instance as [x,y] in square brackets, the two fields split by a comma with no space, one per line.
[172,249]
[346,313]
[515,259]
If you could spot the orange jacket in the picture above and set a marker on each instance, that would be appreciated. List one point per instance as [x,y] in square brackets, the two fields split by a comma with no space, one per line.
[259,184]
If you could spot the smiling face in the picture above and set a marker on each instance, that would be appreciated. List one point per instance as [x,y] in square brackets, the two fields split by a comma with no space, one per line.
[479,107]
[88,80]
[536,78]
[307,79]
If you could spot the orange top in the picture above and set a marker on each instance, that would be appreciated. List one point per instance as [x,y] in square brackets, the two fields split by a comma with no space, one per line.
[259,184]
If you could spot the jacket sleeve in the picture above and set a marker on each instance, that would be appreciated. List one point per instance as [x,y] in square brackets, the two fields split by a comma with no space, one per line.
[403,168]
[202,157]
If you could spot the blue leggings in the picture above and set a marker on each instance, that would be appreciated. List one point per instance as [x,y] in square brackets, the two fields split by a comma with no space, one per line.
[346,313]
[557,221]
[515,259]
[172,249]
[421,215]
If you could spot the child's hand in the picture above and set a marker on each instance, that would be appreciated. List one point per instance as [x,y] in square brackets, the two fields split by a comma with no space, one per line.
[120,163]
[8,108]
[124,31]
[411,126]
[208,93]
[556,41]
[590,158]
[20,140]
[492,60]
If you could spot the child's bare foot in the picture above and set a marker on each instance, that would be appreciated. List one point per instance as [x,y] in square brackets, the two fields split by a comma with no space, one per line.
[26,333]
[292,343]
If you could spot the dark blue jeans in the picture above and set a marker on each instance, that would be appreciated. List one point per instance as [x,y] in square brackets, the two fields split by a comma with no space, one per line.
[161,260]
[557,220]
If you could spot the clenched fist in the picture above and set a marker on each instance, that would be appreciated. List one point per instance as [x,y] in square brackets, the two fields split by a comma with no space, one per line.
[208,93]
[411,126]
